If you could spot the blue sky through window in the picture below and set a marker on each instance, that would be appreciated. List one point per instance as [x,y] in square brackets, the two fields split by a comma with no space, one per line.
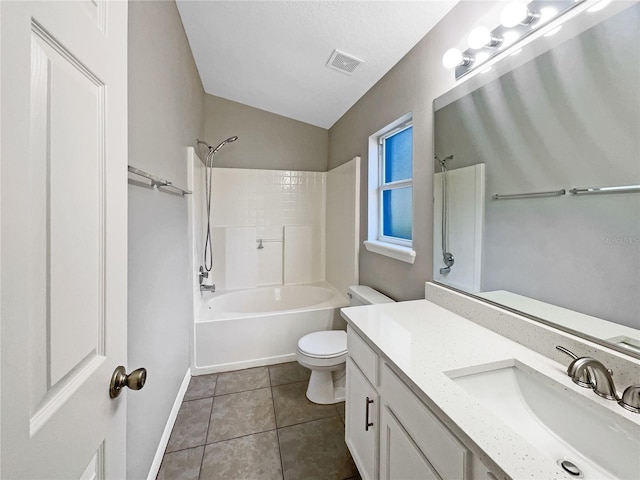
[398,151]
[397,212]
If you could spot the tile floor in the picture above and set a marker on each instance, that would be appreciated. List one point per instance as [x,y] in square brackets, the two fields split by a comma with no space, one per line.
[256,424]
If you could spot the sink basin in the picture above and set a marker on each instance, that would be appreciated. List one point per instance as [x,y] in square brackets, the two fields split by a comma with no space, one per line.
[557,421]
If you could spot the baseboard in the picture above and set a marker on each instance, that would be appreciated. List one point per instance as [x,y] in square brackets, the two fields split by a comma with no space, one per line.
[164,440]
[229,367]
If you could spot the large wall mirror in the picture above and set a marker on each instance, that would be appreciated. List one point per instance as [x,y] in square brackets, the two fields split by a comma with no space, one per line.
[521,151]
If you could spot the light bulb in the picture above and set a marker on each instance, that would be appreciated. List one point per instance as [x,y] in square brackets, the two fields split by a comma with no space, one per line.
[479,37]
[513,14]
[599,6]
[452,58]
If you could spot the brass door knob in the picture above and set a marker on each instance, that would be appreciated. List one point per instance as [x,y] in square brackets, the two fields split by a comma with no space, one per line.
[135,380]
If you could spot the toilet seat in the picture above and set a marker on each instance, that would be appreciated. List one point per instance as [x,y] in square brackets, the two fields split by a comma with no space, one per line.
[325,344]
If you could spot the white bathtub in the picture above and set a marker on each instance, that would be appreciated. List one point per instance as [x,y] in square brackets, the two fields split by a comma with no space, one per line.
[261,326]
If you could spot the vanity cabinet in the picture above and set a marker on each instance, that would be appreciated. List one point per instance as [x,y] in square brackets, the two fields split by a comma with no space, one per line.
[391,433]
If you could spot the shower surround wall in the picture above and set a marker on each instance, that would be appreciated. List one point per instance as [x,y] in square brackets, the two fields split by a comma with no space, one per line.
[288,211]
[283,208]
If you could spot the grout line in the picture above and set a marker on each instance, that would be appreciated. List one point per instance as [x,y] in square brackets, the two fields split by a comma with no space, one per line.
[199,398]
[243,391]
[309,421]
[241,436]
[273,403]
[204,448]
[183,449]
[291,383]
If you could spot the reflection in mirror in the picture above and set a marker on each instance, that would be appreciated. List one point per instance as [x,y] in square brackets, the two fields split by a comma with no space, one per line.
[518,144]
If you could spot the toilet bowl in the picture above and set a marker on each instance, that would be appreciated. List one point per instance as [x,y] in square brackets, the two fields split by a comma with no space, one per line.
[325,353]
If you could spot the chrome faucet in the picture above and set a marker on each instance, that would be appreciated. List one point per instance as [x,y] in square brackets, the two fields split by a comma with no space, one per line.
[585,379]
[583,369]
[602,382]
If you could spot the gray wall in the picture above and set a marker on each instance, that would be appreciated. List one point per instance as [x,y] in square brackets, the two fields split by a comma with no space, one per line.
[266,140]
[165,116]
[411,86]
[555,122]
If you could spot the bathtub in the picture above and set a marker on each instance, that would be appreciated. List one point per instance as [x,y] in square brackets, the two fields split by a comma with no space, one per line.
[261,326]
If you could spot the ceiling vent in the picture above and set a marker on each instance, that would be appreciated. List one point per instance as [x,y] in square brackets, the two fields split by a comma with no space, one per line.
[343,62]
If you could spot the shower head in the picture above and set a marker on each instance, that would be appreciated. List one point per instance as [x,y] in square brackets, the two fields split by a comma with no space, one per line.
[212,150]
[223,143]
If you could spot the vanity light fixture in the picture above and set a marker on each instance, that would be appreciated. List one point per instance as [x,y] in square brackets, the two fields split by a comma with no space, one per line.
[547,14]
[553,32]
[482,57]
[481,37]
[517,13]
[518,20]
[510,37]
[599,6]
[453,58]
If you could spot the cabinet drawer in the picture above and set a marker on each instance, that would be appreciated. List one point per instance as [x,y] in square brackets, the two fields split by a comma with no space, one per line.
[444,451]
[363,355]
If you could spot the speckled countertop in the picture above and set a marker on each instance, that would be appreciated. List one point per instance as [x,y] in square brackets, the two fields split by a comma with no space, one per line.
[422,341]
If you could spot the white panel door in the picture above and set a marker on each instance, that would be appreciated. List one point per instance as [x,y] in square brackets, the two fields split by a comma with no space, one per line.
[63,244]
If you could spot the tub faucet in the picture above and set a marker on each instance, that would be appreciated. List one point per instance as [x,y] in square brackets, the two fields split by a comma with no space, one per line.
[201,276]
[602,382]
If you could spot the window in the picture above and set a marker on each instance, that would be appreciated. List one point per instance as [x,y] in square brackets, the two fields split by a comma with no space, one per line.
[396,169]
[391,191]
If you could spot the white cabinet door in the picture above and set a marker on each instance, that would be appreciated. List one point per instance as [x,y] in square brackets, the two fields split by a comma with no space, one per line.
[63,79]
[361,422]
[400,457]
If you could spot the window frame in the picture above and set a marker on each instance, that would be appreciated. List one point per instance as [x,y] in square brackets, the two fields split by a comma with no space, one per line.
[385,186]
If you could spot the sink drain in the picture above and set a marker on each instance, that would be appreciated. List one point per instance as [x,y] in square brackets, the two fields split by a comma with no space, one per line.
[571,468]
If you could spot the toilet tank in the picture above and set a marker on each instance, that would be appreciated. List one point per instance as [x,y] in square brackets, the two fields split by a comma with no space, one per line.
[362,295]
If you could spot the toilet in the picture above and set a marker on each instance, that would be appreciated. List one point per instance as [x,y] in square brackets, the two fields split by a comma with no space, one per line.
[325,353]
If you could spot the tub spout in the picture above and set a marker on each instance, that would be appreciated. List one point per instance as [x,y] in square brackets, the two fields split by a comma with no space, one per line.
[207,288]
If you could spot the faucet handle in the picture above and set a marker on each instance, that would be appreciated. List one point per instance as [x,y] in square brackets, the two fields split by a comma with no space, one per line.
[567,351]
[631,399]
[585,379]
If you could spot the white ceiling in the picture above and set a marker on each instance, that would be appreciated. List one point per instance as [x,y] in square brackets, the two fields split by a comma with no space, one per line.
[272,54]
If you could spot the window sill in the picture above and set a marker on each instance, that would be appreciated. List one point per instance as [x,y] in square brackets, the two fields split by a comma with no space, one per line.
[404,254]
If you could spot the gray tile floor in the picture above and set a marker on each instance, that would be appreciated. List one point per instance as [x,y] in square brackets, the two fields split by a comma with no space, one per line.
[256,424]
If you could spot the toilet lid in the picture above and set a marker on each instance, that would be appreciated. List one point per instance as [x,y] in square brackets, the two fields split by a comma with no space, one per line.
[330,343]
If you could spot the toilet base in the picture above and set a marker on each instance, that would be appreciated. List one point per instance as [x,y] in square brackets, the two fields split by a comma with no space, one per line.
[327,386]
